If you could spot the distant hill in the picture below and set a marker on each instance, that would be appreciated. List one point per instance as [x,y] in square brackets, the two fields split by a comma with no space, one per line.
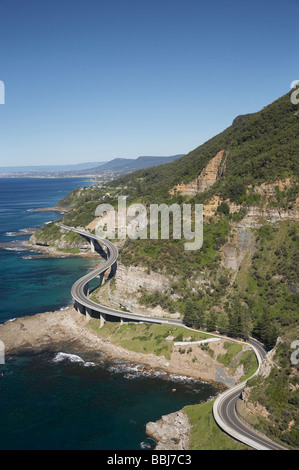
[49,168]
[127,165]
[120,166]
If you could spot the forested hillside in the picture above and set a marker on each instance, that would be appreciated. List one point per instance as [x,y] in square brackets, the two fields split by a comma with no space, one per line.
[244,279]
[261,147]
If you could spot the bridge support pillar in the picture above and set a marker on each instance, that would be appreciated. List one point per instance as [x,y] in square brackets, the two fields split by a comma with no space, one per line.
[92,245]
[88,315]
[102,320]
[79,308]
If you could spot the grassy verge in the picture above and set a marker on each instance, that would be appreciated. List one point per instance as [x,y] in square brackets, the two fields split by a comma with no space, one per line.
[205,434]
[146,338]
[69,250]
[234,357]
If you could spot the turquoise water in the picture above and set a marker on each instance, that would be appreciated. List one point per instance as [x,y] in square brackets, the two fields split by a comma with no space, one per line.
[65,398]
[27,285]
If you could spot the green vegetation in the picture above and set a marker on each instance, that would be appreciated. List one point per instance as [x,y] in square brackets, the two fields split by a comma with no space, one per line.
[48,233]
[233,359]
[263,299]
[145,338]
[171,254]
[278,394]
[260,147]
[82,203]
[69,250]
[260,299]
[232,350]
[205,434]
[170,258]
[250,364]
[268,288]
[72,238]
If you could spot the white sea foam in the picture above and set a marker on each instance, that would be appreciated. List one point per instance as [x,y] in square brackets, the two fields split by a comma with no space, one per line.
[147,446]
[61,356]
[27,230]
[11,249]
[132,371]
[89,364]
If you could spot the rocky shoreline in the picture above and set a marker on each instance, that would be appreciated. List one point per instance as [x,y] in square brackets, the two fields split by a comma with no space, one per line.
[43,251]
[67,328]
[46,251]
[171,432]
[49,209]
[41,331]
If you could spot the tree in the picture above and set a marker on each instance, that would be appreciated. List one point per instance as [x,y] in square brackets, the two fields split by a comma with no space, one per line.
[266,331]
[233,324]
[212,322]
[199,317]
[189,316]
[223,208]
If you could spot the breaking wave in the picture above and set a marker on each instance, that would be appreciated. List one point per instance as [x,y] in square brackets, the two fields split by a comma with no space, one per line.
[132,371]
[74,358]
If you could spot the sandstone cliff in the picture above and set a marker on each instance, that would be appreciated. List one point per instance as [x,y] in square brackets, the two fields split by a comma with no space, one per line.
[210,174]
[129,283]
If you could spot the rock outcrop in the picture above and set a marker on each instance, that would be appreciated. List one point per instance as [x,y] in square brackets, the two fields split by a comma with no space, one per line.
[210,174]
[270,214]
[171,432]
[242,245]
[129,283]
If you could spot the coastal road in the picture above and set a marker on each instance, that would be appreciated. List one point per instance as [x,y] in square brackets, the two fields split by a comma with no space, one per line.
[80,287]
[225,411]
[224,408]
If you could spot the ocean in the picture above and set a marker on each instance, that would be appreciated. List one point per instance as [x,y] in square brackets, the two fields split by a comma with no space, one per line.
[63,398]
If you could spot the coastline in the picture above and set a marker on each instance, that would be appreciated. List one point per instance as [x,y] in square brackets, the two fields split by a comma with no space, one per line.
[46,251]
[66,331]
[43,251]
[67,326]
[49,209]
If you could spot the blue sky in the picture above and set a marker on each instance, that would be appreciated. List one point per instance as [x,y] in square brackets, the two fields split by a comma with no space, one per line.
[97,79]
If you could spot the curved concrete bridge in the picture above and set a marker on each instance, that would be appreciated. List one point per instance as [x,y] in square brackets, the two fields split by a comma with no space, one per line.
[80,290]
[224,408]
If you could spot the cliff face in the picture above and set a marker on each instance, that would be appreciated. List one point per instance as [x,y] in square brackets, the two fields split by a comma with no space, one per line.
[129,283]
[240,247]
[270,208]
[210,174]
